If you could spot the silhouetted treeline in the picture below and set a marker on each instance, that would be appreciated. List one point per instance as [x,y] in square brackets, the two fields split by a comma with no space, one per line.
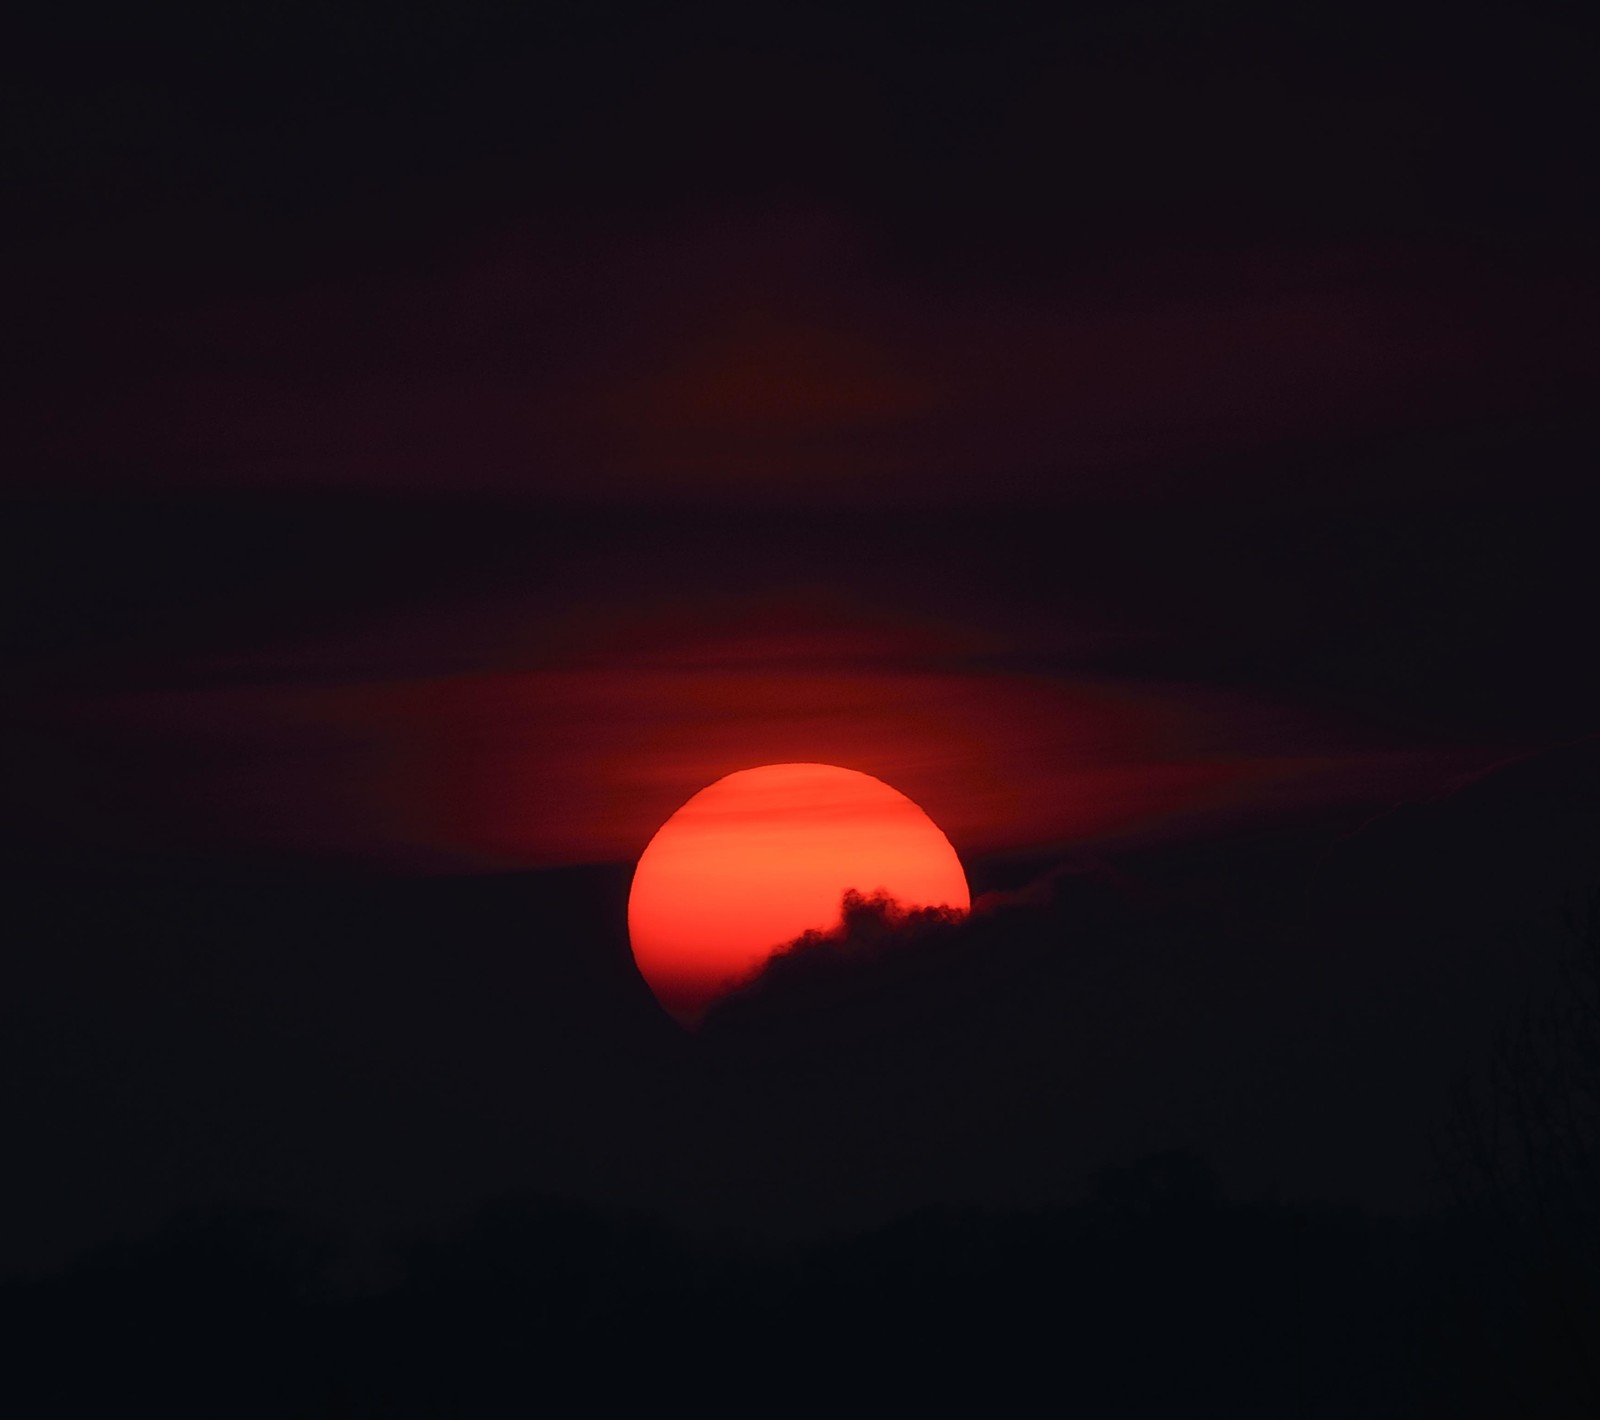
[1152,1295]
[1521,1151]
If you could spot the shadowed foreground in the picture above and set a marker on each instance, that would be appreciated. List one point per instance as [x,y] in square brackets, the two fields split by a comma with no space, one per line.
[1151,1296]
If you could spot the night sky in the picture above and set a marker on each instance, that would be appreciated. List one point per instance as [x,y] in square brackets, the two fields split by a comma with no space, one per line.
[1158,438]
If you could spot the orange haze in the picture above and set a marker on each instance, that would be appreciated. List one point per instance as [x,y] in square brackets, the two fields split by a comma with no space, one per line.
[766,854]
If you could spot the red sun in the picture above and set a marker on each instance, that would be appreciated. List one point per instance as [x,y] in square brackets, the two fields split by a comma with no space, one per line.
[764,855]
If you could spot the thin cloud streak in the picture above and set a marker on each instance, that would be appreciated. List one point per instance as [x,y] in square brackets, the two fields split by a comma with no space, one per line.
[582,764]
[770,356]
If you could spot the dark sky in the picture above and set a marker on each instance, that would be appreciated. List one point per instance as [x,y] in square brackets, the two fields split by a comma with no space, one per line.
[1157,438]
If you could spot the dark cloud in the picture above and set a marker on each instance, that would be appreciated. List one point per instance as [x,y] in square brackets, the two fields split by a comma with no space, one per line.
[879,944]
[874,934]
[1282,985]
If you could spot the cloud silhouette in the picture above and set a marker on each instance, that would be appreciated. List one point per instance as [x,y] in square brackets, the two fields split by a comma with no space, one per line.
[882,947]
[870,927]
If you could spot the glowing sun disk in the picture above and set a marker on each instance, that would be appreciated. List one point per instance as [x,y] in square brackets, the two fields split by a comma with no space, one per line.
[764,855]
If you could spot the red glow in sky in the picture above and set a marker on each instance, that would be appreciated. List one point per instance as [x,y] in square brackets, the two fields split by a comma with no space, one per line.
[766,854]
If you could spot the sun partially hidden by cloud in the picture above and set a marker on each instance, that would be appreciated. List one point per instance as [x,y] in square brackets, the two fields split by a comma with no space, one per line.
[764,856]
